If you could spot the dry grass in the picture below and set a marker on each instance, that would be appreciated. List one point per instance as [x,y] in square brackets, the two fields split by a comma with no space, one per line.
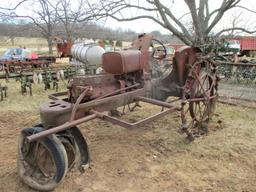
[16,102]
[152,158]
[238,90]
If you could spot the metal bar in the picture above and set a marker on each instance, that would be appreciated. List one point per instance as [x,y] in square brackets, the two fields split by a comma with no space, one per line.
[113,101]
[156,102]
[79,99]
[235,104]
[119,122]
[55,96]
[138,123]
[201,99]
[117,91]
[60,128]
[237,98]
[237,64]
[174,100]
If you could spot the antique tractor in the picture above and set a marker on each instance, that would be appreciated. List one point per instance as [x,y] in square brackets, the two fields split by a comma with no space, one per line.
[48,150]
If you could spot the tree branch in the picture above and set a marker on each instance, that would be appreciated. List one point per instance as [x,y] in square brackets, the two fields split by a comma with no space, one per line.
[226,5]
[234,29]
[247,9]
[15,7]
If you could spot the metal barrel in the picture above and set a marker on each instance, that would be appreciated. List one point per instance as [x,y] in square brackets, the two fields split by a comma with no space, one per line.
[90,54]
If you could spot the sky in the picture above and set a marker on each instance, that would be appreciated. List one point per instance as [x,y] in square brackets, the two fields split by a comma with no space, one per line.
[178,7]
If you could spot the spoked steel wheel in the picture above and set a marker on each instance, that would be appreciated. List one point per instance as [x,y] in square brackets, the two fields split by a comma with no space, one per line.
[200,95]
[42,164]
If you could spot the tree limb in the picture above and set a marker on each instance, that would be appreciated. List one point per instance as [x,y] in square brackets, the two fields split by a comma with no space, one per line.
[15,7]
[234,29]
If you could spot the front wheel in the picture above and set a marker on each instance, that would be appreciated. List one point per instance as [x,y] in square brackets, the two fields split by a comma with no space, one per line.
[42,164]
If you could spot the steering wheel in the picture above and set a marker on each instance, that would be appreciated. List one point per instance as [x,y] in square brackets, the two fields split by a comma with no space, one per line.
[158,52]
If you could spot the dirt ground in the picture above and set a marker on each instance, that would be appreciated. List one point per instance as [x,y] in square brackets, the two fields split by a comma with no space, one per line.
[153,158]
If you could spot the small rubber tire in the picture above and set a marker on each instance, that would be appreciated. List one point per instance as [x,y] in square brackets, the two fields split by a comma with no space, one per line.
[79,143]
[57,151]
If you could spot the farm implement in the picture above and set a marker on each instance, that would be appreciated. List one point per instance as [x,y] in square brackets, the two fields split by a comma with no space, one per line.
[47,151]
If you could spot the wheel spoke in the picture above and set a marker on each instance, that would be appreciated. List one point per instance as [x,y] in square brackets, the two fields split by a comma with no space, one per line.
[200,110]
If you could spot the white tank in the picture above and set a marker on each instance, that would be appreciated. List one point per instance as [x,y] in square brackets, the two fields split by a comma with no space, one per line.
[90,54]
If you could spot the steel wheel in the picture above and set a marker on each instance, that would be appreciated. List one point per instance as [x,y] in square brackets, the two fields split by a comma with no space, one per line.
[200,98]
[41,164]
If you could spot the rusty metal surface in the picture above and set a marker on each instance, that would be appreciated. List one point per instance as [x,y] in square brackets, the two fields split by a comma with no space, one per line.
[63,47]
[79,99]
[57,112]
[138,123]
[101,84]
[172,84]
[55,96]
[118,63]
[157,102]
[122,90]
[61,127]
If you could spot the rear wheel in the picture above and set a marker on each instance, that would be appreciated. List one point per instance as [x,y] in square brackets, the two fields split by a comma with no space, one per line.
[200,99]
[42,164]
[202,109]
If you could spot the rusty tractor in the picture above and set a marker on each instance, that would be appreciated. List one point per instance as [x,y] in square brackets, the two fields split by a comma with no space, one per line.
[48,150]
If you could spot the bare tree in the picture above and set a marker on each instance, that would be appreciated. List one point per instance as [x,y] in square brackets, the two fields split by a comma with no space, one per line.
[4,9]
[5,14]
[203,18]
[68,13]
[43,16]
[45,20]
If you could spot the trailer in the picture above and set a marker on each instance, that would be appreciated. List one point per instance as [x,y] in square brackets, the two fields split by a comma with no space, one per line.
[245,45]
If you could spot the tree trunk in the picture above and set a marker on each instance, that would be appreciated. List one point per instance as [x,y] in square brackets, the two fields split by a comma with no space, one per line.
[50,50]
[12,40]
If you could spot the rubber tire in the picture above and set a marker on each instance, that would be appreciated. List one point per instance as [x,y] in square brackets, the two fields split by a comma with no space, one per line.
[66,140]
[81,145]
[57,151]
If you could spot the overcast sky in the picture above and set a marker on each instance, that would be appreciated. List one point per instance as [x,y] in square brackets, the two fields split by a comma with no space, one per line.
[178,7]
